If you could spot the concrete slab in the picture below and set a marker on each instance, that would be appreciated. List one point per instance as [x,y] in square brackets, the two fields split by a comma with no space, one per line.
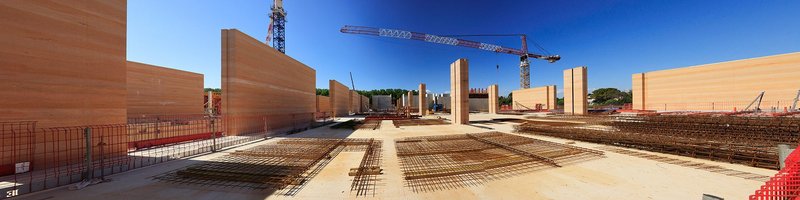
[618,176]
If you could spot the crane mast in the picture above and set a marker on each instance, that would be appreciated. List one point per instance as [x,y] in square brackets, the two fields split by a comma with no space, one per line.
[523,53]
[277,26]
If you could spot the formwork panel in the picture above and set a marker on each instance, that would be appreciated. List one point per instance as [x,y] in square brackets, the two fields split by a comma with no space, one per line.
[154,90]
[722,86]
[257,80]
[527,99]
[340,98]
[63,63]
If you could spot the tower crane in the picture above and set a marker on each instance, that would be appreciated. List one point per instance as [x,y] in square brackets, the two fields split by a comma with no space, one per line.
[523,53]
[277,26]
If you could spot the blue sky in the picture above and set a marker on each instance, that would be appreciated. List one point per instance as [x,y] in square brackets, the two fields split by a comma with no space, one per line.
[613,38]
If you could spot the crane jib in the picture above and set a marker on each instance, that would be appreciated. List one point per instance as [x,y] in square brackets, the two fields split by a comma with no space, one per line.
[401,34]
[442,40]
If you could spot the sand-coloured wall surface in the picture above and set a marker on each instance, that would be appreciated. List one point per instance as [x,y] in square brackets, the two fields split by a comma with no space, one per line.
[323,104]
[576,91]
[527,99]
[258,80]
[720,86]
[459,91]
[63,63]
[340,98]
[154,90]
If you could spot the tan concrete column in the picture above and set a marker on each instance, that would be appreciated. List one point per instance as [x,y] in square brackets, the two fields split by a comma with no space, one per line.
[552,99]
[493,99]
[575,91]
[459,91]
[637,87]
[423,103]
[409,99]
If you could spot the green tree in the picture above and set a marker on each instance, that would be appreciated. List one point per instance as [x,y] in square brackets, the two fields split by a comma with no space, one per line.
[505,100]
[212,89]
[610,96]
[323,92]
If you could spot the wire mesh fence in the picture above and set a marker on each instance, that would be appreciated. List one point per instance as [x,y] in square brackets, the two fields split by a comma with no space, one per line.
[37,158]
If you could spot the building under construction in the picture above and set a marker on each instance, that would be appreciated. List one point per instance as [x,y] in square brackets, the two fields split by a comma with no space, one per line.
[81,121]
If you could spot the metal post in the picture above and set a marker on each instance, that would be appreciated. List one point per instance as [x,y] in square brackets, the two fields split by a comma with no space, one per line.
[87,134]
[266,127]
[796,98]
[783,152]
[213,134]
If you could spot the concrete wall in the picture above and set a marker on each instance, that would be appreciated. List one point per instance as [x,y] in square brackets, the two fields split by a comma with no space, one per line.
[355,102]
[259,80]
[323,104]
[526,99]
[382,102]
[340,98]
[63,63]
[414,101]
[154,90]
[575,91]
[444,100]
[364,103]
[422,100]
[494,104]
[720,86]
[410,101]
[459,91]
[479,104]
[637,88]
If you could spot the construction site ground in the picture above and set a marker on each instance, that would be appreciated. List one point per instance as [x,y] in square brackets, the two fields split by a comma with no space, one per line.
[615,176]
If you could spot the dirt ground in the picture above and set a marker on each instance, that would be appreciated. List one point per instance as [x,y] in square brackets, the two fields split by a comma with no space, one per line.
[616,176]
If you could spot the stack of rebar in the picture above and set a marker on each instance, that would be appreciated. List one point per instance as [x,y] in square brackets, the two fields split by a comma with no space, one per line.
[745,140]
[284,165]
[444,162]
[271,166]
[370,124]
[418,122]
[366,175]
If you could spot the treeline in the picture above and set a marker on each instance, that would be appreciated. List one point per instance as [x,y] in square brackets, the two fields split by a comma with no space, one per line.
[216,90]
[601,97]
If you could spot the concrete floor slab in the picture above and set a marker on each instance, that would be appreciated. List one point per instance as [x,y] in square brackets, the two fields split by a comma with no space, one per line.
[617,176]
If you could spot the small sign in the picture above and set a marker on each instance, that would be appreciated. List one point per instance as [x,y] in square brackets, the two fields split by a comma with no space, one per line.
[23,167]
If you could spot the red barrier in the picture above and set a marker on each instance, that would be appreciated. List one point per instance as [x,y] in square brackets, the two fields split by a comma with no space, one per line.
[7,169]
[785,184]
[169,140]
